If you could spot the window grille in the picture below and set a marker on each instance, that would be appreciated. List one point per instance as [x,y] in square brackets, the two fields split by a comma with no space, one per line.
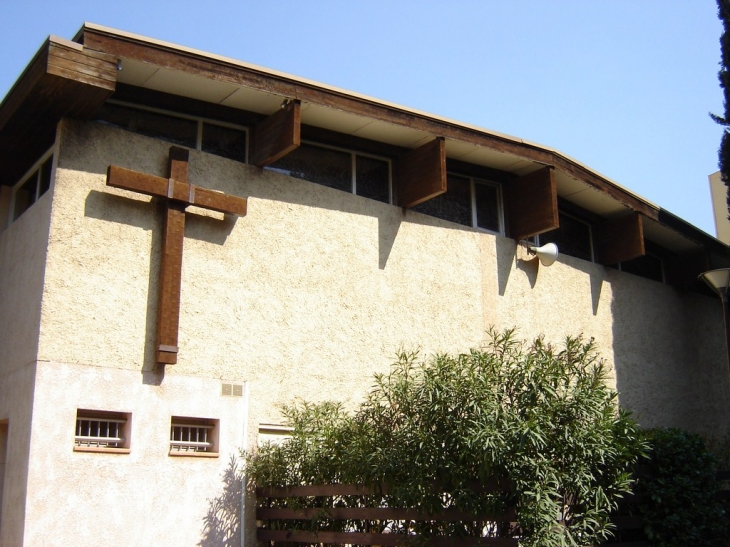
[102,432]
[191,437]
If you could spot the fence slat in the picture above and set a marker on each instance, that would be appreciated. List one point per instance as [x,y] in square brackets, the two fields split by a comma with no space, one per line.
[388,540]
[377,513]
[319,490]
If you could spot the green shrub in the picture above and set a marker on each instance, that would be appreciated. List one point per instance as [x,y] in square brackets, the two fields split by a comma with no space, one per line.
[678,503]
[541,417]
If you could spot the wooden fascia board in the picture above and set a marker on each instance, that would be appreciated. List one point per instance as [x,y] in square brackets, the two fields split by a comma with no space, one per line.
[675,223]
[62,80]
[219,70]
[420,173]
[532,204]
[619,239]
[277,135]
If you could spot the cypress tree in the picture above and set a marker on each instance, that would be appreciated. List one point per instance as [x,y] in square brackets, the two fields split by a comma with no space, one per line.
[723,12]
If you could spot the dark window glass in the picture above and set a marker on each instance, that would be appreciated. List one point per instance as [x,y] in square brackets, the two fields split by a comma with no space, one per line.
[152,124]
[453,205]
[648,266]
[487,203]
[573,237]
[224,141]
[372,180]
[45,176]
[321,165]
[25,196]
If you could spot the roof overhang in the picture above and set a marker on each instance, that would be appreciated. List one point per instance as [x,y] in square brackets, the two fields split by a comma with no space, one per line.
[101,57]
[63,79]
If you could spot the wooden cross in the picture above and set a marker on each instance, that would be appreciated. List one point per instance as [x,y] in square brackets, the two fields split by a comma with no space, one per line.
[178,194]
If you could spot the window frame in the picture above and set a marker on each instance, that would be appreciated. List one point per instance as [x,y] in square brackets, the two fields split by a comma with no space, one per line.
[212,437]
[274,434]
[125,418]
[200,120]
[590,235]
[655,256]
[473,182]
[353,167]
[35,170]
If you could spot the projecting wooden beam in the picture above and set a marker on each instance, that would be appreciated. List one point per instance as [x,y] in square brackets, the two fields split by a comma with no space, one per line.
[64,79]
[421,173]
[532,204]
[277,135]
[619,239]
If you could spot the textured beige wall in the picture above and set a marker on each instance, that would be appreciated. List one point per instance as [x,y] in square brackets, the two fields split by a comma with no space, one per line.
[22,258]
[314,285]
[309,295]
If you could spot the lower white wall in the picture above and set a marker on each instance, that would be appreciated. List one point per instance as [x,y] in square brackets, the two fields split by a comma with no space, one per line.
[16,407]
[142,498]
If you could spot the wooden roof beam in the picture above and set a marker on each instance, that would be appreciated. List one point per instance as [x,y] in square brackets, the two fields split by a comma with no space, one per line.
[619,239]
[532,204]
[277,135]
[421,173]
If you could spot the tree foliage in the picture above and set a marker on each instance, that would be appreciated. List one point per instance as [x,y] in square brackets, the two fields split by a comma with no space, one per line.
[535,415]
[678,503]
[723,12]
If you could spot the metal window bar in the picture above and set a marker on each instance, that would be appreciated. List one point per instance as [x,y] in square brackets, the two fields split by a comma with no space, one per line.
[190,438]
[99,432]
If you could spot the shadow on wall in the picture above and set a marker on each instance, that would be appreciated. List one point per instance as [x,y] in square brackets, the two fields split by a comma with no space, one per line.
[509,256]
[222,524]
[669,355]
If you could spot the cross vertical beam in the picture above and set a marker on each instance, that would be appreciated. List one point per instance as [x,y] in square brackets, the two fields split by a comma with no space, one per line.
[173,238]
[177,194]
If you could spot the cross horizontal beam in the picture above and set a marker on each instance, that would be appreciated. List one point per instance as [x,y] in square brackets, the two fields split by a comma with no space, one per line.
[126,179]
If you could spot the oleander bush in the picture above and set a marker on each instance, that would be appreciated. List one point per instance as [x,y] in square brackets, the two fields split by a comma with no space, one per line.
[535,415]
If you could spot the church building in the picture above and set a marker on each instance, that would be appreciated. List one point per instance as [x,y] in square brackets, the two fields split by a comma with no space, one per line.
[189,242]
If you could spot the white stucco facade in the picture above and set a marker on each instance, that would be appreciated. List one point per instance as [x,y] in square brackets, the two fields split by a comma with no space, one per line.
[308,295]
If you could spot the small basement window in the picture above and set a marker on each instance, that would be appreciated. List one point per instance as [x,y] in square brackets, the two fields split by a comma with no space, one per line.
[102,431]
[193,437]
[274,434]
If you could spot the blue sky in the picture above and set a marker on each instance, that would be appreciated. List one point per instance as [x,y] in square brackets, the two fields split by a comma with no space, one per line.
[623,86]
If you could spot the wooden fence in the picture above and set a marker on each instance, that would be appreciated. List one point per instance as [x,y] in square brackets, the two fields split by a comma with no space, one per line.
[324,514]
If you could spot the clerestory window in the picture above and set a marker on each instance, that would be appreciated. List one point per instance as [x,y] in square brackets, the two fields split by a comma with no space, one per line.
[353,172]
[574,237]
[225,140]
[31,187]
[468,201]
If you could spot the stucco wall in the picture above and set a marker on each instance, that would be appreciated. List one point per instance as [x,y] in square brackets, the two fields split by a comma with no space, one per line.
[142,498]
[309,295]
[22,258]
